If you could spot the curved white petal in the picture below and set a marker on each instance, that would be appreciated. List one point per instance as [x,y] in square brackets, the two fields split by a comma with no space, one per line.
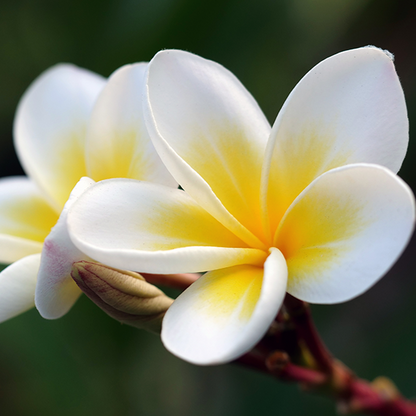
[344,232]
[226,312]
[350,108]
[26,218]
[17,287]
[50,128]
[211,135]
[151,228]
[56,291]
[118,145]
[15,248]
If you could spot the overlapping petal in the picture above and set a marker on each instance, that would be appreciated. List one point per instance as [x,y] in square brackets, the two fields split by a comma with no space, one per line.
[50,128]
[153,229]
[17,287]
[211,135]
[118,145]
[350,108]
[344,232]
[321,219]
[56,291]
[51,139]
[26,218]
[304,214]
[225,312]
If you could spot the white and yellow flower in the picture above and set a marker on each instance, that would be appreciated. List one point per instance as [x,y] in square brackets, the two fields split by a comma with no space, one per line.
[311,206]
[70,123]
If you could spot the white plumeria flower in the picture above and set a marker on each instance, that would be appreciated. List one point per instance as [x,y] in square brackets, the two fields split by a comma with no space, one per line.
[310,206]
[70,123]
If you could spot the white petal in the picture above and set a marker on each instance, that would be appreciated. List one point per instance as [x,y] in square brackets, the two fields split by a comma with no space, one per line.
[350,108]
[345,231]
[211,135]
[151,228]
[56,291]
[17,287]
[26,218]
[226,312]
[50,128]
[118,145]
[15,248]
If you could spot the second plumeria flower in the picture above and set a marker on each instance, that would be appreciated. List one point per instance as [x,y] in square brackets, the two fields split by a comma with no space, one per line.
[311,206]
[69,124]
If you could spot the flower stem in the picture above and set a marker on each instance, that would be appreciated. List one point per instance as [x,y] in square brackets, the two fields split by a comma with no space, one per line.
[176,281]
[318,371]
[301,316]
[293,351]
[278,364]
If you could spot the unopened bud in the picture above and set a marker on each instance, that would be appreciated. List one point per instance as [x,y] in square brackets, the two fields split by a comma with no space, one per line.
[124,295]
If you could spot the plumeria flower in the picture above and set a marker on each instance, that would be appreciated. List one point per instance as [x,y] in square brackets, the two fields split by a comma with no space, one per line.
[311,206]
[69,124]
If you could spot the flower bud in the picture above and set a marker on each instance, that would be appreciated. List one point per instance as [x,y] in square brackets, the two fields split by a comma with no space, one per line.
[124,295]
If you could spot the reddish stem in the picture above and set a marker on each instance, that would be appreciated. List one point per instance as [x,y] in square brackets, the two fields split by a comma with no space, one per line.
[331,377]
[362,396]
[253,360]
[278,364]
[353,394]
[301,316]
[177,281]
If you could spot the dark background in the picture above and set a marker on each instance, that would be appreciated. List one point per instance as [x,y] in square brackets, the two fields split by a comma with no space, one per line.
[86,363]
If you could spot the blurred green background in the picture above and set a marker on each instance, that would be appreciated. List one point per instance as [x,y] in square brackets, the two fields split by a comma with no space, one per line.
[86,363]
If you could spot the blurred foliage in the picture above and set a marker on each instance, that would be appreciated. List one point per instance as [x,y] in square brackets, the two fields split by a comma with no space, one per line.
[86,363]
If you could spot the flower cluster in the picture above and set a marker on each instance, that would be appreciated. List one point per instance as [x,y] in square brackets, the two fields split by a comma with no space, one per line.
[311,206]
[69,124]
